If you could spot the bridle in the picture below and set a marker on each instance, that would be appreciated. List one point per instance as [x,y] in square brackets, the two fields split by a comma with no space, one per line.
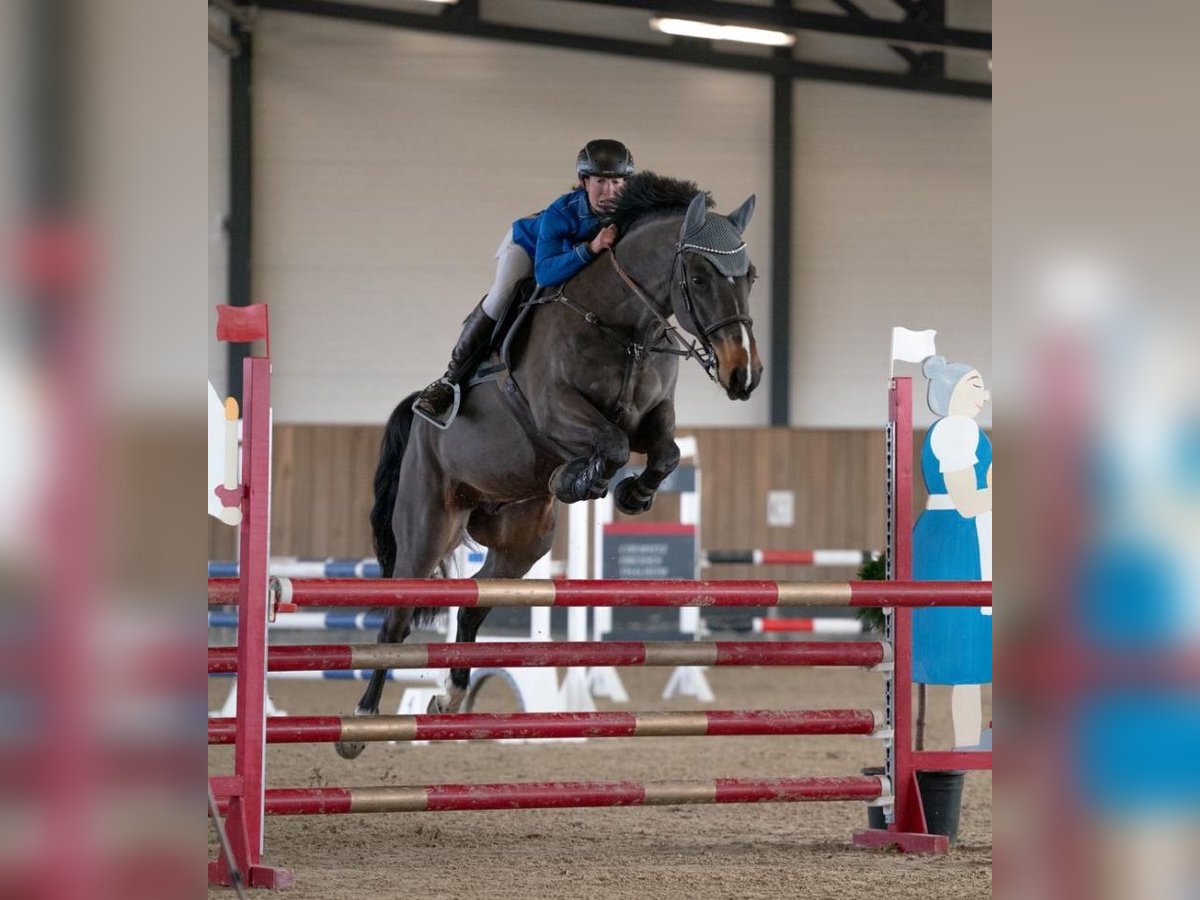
[703,353]
[689,307]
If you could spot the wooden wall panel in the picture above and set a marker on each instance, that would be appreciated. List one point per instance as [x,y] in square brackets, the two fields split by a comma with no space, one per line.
[323,494]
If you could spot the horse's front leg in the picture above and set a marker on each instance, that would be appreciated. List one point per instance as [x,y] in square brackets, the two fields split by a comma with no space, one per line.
[586,477]
[656,436]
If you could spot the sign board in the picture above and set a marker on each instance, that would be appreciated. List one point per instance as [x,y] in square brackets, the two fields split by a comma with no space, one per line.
[781,509]
[650,550]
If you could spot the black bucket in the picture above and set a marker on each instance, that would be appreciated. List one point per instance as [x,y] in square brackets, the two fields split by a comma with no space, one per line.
[941,795]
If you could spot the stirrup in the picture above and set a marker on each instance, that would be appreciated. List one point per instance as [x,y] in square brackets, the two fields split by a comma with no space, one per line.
[448,417]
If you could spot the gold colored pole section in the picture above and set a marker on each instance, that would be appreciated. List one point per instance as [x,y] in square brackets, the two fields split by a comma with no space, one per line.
[680,653]
[379,728]
[502,592]
[669,793]
[389,656]
[811,594]
[388,799]
[669,724]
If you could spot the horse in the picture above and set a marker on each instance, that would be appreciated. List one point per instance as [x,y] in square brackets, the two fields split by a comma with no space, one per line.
[590,378]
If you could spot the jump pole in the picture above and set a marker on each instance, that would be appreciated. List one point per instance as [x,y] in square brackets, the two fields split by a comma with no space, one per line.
[523,726]
[765,557]
[571,794]
[499,654]
[484,592]
[824,625]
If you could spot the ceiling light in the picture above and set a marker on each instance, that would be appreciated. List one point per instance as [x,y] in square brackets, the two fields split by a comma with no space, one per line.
[708,31]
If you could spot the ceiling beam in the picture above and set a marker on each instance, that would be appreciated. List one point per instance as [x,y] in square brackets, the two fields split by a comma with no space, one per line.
[690,53]
[930,33]
[240,14]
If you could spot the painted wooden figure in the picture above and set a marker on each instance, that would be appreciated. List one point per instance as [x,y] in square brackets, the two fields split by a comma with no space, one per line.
[952,540]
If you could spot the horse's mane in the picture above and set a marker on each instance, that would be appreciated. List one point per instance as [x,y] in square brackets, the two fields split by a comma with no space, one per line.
[646,193]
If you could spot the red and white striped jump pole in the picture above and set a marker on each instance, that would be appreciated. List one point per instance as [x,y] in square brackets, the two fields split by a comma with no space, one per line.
[484,592]
[764,557]
[826,626]
[563,795]
[524,726]
[501,654]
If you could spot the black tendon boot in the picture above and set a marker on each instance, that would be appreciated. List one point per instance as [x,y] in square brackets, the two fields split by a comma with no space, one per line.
[437,402]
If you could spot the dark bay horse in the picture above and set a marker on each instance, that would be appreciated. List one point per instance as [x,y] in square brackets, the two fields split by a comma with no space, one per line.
[596,364]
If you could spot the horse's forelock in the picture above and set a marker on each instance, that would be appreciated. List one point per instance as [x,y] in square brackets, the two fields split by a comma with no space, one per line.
[647,193]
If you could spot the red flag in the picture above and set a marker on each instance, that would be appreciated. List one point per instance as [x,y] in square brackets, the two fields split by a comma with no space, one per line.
[243,323]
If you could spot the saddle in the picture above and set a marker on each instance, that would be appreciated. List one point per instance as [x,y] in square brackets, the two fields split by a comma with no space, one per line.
[502,356]
[499,349]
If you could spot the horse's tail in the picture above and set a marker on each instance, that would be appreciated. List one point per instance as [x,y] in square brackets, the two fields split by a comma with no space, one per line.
[387,482]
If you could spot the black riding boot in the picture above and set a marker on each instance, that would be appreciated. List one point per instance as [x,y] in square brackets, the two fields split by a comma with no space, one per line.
[437,400]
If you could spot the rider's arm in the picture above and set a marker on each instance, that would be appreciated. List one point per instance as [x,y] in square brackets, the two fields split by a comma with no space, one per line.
[559,255]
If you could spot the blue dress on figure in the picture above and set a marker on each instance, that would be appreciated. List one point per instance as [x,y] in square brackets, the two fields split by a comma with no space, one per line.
[951,645]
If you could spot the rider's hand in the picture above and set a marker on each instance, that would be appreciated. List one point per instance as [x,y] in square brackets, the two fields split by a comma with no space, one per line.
[604,239]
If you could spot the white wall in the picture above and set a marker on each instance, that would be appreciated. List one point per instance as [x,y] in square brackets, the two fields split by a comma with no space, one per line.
[389,162]
[892,206]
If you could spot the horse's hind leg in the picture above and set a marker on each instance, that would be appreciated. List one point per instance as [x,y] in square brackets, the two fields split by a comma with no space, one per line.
[396,627]
[516,537]
[425,532]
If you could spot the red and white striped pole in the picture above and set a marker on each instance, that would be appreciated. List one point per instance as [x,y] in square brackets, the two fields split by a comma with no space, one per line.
[564,795]
[764,557]
[485,592]
[524,726]
[512,654]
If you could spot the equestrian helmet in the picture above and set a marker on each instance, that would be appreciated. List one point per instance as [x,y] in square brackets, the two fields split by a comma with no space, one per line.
[606,158]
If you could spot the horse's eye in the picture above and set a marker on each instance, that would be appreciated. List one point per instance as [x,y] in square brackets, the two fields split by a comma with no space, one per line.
[698,280]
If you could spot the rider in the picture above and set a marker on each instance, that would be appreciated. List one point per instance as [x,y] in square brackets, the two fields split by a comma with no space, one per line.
[553,245]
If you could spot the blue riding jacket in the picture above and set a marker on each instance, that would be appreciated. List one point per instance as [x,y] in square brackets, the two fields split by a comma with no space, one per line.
[557,237]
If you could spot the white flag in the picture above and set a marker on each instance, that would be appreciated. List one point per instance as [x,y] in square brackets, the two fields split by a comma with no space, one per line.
[912,346]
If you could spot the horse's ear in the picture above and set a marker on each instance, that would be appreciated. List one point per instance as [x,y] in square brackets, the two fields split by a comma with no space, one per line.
[740,217]
[694,220]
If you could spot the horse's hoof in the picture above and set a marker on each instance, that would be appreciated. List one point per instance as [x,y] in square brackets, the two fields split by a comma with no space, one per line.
[437,705]
[579,479]
[568,482]
[353,749]
[349,749]
[627,497]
